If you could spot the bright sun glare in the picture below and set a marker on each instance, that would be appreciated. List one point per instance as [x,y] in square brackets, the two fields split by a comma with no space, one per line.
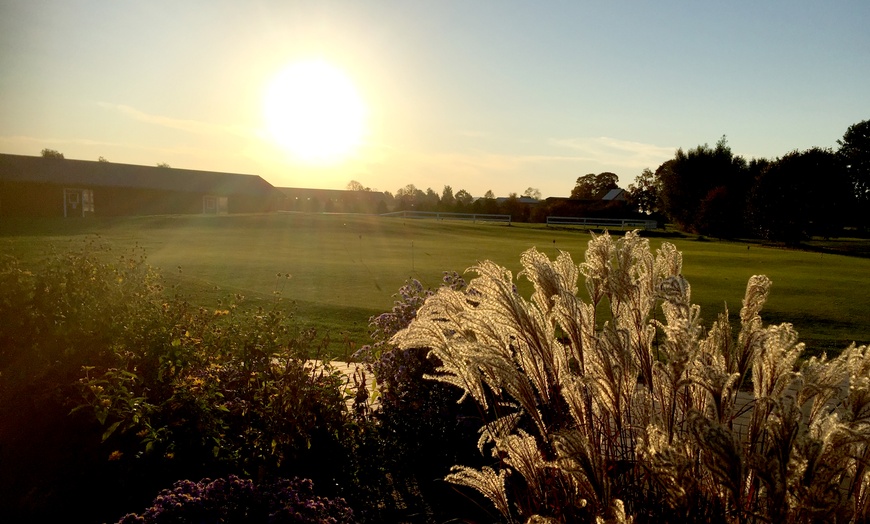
[313,111]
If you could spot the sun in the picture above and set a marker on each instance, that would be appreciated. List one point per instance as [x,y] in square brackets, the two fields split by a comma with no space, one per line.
[313,111]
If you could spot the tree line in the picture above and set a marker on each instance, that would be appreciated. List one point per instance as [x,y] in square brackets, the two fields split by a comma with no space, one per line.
[705,190]
[711,191]
[585,200]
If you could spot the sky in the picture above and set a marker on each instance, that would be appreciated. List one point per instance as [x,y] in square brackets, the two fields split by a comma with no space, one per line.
[478,95]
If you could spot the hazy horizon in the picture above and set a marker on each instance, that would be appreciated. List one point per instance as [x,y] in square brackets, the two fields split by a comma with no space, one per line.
[478,96]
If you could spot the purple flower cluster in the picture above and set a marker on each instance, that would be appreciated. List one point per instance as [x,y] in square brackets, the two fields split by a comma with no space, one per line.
[236,499]
[399,372]
[410,297]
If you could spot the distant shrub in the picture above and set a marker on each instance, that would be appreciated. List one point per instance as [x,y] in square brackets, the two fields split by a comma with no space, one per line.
[599,420]
[234,499]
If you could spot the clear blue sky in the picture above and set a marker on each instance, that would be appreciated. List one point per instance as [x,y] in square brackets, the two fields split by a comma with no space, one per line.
[499,95]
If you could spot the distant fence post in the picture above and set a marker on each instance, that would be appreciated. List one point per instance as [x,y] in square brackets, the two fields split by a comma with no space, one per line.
[437,215]
[602,222]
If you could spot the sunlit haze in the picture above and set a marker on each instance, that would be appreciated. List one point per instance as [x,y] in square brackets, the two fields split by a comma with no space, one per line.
[498,95]
[314,111]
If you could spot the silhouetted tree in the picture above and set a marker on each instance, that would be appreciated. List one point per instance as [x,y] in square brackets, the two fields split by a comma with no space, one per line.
[512,206]
[406,197]
[532,192]
[487,204]
[855,154]
[429,201]
[801,194]
[716,214]
[594,187]
[52,153]
[694,176]
[464,198]
[448,201]
[643,194]
[102,159]
[163,165]
[353,185]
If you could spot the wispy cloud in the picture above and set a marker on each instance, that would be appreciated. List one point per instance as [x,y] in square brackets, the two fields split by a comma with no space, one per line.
[619,153]
[188,126]
[23,140]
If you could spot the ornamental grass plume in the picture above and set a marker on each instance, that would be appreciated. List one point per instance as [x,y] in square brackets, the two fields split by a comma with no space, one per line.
[600,409]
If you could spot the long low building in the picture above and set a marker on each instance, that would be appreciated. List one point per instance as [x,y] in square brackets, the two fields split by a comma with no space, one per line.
[37,186]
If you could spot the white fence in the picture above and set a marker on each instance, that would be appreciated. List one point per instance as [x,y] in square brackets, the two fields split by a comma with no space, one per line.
[474,217]
[602,222]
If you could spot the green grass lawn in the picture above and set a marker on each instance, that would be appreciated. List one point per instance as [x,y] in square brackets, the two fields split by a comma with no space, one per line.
[346,268]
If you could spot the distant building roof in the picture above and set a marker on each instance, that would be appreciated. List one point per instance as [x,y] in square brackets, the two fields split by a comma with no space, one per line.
[20,168]
[521,200]
[291,192]
[615,194]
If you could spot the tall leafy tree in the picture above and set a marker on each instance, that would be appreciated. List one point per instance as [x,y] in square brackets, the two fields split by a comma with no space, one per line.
[464,197]
[704,174]
[448,200]
[407,197]
[804,193]
[430,200]
[644,192]
[594,187]
[487,204]
[855,154]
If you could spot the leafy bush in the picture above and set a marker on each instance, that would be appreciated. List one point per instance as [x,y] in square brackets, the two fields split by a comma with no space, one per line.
[238,391]
[70,310]
[594,419]
[240,500]
[159,389]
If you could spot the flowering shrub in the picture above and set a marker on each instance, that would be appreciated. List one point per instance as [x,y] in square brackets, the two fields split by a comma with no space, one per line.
[234,499]
[591,419]
[397,370]
[421,428]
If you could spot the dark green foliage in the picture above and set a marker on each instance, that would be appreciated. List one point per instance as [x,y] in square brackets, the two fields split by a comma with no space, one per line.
[594,187]
[855,154]
[111,387]
[815,192]
[704,189]
[423,428]
[802,194]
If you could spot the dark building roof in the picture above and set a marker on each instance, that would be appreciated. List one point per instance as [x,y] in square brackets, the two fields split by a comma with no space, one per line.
[521,200]
[20,168]
[615,194]
[291,192]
